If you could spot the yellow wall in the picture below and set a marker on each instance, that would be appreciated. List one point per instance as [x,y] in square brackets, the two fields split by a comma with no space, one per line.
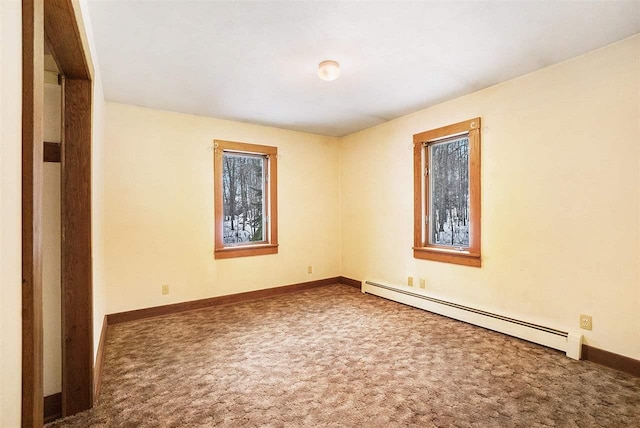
[560,214]
[97,213]
[159,209]
[10,187]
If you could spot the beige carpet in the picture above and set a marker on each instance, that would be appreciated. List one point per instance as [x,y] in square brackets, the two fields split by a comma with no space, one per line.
[335,357]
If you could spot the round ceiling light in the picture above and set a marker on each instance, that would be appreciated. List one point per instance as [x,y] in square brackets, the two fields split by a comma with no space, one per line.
[329,70]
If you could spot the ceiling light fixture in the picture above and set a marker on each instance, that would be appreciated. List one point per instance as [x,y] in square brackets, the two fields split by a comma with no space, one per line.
[328,70]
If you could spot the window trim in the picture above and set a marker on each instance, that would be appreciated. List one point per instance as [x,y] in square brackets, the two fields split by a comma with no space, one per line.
[271,199]
[422,249]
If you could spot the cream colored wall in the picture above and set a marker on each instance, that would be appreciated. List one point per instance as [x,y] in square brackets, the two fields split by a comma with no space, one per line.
[560,213]
[10,187]
[51,251]
[52,113]
[51,309]
[97,213]
[159,209]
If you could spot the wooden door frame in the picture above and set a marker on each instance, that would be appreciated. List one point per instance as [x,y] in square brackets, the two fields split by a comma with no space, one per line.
[57,21]
[32,154]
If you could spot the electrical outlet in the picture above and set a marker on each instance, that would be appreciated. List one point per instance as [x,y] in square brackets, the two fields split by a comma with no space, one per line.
[586,322]
[423,283]
[410,281]
[165,288]
[309,270]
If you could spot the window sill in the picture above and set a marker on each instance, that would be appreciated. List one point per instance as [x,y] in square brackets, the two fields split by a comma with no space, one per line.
[445,255]
[245,251]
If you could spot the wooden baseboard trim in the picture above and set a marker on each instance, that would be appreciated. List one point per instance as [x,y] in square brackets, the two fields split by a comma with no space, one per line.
[98,366]
[350,282]
[156,311]
[52,407]
[611,360]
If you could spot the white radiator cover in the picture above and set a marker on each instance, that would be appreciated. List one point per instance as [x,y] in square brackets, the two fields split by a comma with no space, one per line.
[568,342]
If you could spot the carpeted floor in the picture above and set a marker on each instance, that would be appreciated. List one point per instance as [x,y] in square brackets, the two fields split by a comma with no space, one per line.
[332,356]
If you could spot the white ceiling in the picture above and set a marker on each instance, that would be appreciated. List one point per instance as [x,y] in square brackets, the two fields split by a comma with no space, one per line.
[256,61]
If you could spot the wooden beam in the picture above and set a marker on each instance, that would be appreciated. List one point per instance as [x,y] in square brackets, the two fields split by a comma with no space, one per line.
[65,40]
[32,154]
[77,316]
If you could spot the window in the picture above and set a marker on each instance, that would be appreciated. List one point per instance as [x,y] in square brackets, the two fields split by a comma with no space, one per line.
[447,194]
[245,184]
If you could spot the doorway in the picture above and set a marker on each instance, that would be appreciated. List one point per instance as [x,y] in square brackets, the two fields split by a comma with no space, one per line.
[56,21]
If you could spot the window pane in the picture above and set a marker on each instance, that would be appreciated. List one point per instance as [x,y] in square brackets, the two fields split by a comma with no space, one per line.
[449,192]
[243,179]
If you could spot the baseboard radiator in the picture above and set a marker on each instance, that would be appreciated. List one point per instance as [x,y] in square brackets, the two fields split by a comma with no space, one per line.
[568,342]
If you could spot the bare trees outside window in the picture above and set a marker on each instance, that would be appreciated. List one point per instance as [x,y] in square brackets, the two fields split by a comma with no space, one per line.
[449,176]
[245,192]
[446,181]
[243,178]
